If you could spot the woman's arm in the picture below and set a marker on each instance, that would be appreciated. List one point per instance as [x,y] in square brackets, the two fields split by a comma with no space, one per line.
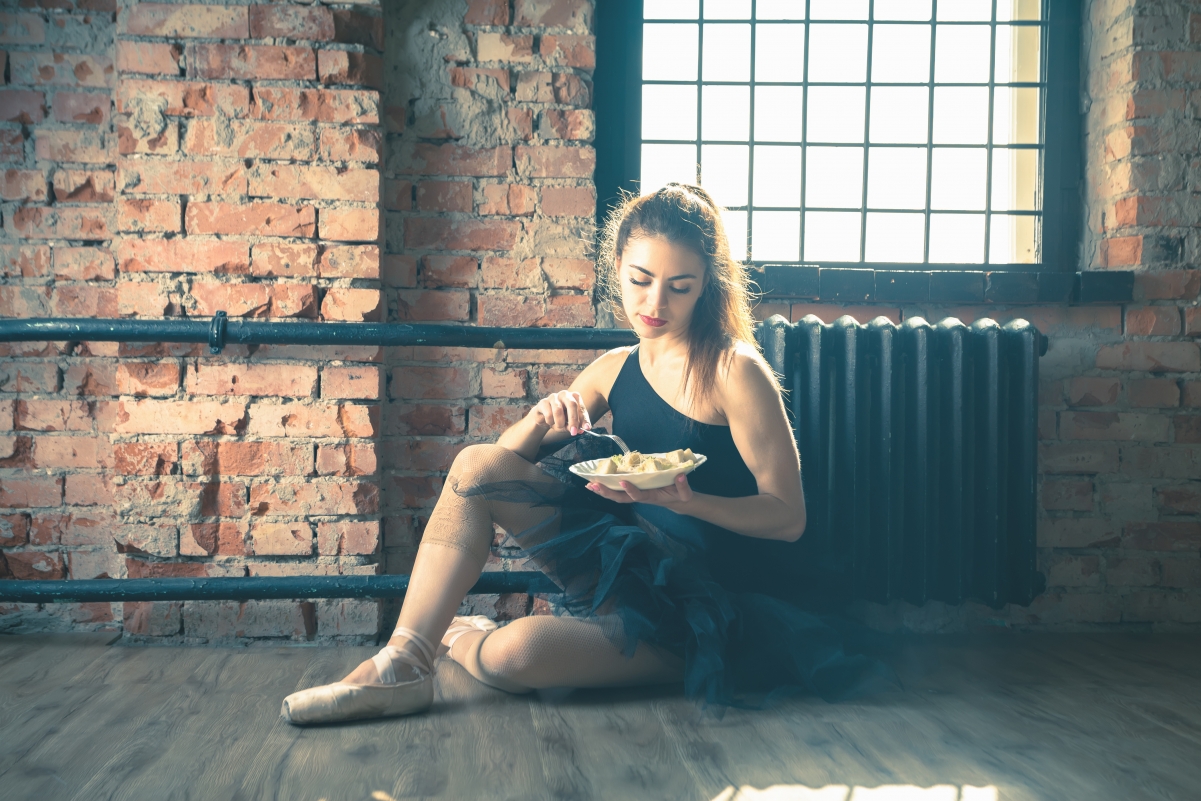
[554,417]
[759,425]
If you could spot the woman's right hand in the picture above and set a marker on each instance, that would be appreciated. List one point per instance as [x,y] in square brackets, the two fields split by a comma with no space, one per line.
[562,411]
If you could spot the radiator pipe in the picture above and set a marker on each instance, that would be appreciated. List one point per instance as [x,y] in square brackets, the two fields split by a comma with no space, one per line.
[248,588]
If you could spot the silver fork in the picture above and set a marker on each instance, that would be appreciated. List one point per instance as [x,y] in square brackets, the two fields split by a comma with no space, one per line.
[620,442]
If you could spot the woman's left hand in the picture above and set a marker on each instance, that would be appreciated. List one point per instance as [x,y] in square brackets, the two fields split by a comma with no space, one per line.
[673,497]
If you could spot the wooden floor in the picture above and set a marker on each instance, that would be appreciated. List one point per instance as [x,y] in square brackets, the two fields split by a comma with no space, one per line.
[1023,716]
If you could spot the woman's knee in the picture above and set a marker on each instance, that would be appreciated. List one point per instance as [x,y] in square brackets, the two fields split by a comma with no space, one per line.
[484,463]
[511,653]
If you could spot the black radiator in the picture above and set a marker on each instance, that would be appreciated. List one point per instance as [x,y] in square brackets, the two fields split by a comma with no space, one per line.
[917,456]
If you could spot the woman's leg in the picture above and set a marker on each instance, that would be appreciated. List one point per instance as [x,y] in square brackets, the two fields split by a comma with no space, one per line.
[540,652]
[455,546]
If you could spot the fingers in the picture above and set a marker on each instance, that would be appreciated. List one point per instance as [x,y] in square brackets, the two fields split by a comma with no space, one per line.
[611,494]
[683,488]
[558,412]
[636,495]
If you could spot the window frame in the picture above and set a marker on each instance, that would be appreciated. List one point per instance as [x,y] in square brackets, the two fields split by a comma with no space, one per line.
[618,106]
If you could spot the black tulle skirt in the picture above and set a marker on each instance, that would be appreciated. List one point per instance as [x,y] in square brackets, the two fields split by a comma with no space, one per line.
[645,573]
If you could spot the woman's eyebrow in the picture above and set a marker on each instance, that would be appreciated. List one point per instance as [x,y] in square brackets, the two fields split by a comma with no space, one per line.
[673,278]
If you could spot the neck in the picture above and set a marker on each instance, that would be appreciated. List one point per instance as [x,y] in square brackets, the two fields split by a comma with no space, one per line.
[672,347]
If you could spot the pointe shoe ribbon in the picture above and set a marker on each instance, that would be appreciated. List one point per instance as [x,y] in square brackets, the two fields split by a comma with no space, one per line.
[462,625]
[340,701]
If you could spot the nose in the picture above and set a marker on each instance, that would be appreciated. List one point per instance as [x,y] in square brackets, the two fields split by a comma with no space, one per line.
[659,296]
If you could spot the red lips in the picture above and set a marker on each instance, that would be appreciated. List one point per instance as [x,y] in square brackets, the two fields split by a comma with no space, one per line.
[653,322]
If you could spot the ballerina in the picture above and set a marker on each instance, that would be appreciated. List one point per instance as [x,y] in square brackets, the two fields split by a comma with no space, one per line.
[659,584]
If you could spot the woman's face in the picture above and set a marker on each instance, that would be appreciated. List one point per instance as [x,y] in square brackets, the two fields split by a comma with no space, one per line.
[660,284]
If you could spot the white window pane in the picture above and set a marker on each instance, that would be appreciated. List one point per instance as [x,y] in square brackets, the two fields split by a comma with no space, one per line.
[837,9]
[836,113]
[668,112]
[1011,239]
[669,52]
[780,53]
[1018,53]
[957,178]
[727,52]
[727,9]
[1015,180]
[965,10]
[777,180]
[902,9]
[896,178]
[832,236]
[961,115]
[1015,116]
[776,236]
[957,238]
[726,112]
[735,223]
[779,113]
[837,53]
[662,164]
[725,170]
[900,114]
[901,54]
[895,237]
[1017,9]
[779,9]
[671,9]
[834,177]
[961,53]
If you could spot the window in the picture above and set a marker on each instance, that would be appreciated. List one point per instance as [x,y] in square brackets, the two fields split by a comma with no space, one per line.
[855,132]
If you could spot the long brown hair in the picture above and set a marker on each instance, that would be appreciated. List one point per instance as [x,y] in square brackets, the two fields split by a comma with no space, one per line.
[686,215]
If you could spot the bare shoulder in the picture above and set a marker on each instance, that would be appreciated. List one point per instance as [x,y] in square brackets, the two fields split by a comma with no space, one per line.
[598,377]
[746,377]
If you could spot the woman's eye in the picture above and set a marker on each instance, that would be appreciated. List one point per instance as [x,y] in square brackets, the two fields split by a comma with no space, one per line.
[684,291]
[640,283]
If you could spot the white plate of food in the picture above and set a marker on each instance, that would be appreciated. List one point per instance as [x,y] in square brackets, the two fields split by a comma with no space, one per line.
[645,471]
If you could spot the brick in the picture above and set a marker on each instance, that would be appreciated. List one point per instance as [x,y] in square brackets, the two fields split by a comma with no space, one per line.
[422,455]
[1192,393]
[399,271]
[437,233]
[504,384]
[148,58]
[350,144]
[492,421]
[569,124]
[213,539]
[71,453]
[246,459]
[85,147]
[1162,536]
[22,29]
[1155,357]
[84,186]
[1153,321]
[504,47]
[35,565]
[444,196]
[185,98]
[93,108]
[569,201]
[555,379]
[451,160]
[1181,572]
[433,382]
[283,260]
[316,498]
[149,216]
[281,539]
[145,458]
[1168,285]
[206,21]
[1113,426]
[1083,532]
[313,23]
[272,380]
[1093,391]
[39,377]
[493,83]
[348,538]
[22,105]
[141,299]
[297,419]
[255,300]
[570,273]
[419,419]
[569,51]
[152,619]
[347,460]
[250,139]
[14,530]
[183,177]
[311,182]
[398,195]
[90,378]
[1192,321]
[1121,251]
[53,415]
[19,301]
[509,199]
[548,161]
[352,261]
[12,145]
[449,271]
[180,417]
[521,120]
[361,382]
[415,305]
[575,14]
[354,26]
[187,255]
[23,185]
[78,300]
[350,224]
[40,491]
[1132,571]
[82,489]
[1187,428]
[317,105]
[252,62]
[257,218]
[351,305]
[1181,499]
[1064,570]
[1150,462]
[347,67]
[61,69]
[26,261]
[487,12]
[1153,393]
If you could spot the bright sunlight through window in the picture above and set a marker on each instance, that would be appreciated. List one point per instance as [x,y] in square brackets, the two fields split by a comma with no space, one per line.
[898,131]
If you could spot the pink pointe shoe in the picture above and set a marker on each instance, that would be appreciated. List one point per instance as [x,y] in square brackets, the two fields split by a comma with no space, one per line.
[463,625]
[340,701]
